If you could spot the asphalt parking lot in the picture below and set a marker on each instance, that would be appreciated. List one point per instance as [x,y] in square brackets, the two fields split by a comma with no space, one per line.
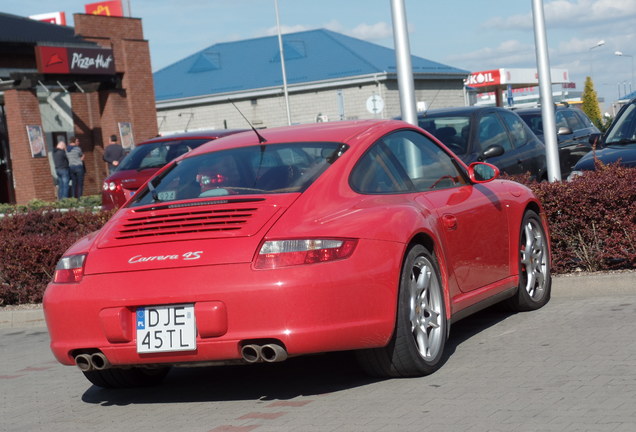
[570,366]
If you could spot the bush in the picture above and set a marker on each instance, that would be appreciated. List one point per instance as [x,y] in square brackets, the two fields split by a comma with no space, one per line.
[88,201]
[31,243]
[592,226]
[592,219]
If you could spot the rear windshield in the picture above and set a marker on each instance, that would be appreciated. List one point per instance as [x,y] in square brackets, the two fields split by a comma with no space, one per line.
[271,168]
[156,155]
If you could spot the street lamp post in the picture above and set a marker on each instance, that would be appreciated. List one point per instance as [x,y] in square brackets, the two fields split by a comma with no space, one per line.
[282,63]
[598,44]
[622,54]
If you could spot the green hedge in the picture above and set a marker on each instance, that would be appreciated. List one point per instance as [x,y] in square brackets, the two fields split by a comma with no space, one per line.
[592,222]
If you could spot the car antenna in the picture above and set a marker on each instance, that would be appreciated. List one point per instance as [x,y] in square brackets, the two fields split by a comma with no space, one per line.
[429,105]
[261,139]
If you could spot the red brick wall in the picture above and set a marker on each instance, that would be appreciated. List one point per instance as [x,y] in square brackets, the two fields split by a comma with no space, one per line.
[32,176]
[140,91]
[87,121]
[136,103]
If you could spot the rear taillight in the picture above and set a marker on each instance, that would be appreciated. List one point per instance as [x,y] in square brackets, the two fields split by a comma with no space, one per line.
[110,186]
[284,253]
[69,269]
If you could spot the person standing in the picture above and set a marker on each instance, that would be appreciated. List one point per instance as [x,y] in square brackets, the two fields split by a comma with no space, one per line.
[76,166]
[61,169]
[113,154]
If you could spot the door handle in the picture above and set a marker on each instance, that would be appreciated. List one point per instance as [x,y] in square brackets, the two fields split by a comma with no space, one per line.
[450,222]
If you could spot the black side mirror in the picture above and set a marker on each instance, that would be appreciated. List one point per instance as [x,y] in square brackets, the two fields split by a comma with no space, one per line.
[595,138]
[492,151]
[564,131]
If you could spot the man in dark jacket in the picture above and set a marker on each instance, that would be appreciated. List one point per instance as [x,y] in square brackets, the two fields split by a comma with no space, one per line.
[75,158]
[61,169]
[113,154]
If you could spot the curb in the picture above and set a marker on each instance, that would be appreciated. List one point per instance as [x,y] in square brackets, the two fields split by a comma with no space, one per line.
[590,284]
[563,286]
[22,318]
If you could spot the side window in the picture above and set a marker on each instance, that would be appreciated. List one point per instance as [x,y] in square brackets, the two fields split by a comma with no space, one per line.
[535,123]
[573,121]
[377,173]
[518,129]
[560,119]
[427,165]
[492,132]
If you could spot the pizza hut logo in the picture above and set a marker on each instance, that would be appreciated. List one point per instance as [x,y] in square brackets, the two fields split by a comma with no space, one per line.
[80,61]
[54,60]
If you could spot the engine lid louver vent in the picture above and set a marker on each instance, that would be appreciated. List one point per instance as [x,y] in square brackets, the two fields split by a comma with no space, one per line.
[185,222]
[191,221]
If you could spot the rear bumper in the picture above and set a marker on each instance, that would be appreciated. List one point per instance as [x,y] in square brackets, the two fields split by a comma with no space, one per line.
[341,305]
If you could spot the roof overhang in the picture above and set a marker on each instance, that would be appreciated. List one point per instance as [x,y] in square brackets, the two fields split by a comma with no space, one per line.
[32,79]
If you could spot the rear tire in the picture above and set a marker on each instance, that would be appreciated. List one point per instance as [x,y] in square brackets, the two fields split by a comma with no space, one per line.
[535,279]
[417,345]
[125,378]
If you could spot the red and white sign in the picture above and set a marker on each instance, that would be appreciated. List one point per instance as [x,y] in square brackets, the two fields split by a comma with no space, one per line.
[63,60]
[107,8]
[515,77]
[484,78]
[52,18]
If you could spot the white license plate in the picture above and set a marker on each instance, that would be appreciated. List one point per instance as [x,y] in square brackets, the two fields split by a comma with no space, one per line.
[166,328]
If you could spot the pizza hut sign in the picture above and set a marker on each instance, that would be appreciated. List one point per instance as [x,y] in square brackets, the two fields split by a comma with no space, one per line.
[65,60]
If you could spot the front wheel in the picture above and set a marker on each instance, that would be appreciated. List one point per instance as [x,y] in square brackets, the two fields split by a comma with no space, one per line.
[417,345]
[535,280]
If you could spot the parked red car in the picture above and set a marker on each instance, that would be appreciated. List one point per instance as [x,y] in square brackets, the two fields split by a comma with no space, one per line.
[369,236]
[147,158]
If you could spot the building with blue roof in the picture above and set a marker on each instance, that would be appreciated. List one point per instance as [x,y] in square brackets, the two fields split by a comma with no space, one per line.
[330,76]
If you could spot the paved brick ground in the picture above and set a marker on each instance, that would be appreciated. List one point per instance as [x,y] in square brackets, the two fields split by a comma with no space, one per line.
[570,366]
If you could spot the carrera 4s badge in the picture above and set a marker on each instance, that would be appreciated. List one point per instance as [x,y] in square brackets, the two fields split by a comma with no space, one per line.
[186,256]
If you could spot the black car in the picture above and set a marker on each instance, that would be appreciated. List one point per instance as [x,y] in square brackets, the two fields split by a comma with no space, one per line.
[618,144]
[490,134]
[573,128]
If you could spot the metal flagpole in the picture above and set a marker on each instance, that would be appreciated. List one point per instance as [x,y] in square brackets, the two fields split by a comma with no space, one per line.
[545,86]
[282,63]
[403,58]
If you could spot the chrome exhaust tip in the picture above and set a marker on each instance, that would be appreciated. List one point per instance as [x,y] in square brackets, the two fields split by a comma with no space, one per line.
[99,361]
[83,361]
[273,353]
[251,353]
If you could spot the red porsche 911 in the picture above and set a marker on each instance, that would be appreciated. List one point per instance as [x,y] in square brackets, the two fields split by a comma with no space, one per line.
[368,236]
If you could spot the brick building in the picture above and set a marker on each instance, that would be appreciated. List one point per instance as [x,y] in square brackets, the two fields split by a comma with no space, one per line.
[330,77]
[91,81]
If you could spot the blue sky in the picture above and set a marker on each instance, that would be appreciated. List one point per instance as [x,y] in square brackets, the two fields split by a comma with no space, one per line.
[473,35]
